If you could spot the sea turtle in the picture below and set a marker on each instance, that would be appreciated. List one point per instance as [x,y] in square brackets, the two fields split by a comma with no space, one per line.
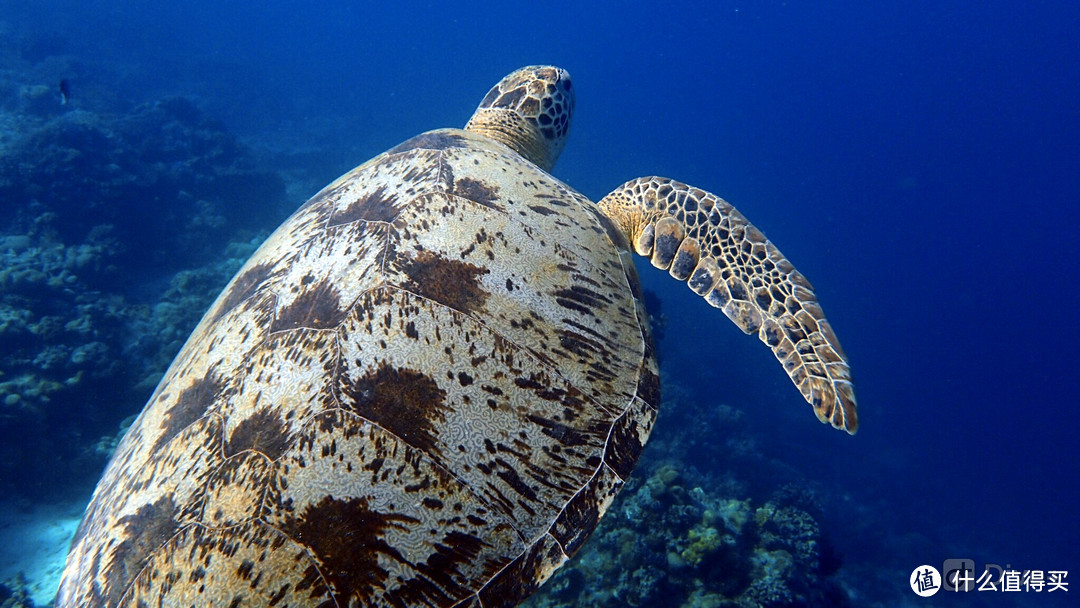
[426,387]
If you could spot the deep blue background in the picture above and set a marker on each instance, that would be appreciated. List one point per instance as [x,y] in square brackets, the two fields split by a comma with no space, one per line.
[918,161]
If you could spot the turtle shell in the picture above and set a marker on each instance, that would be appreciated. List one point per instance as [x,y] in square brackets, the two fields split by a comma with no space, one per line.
[424,389]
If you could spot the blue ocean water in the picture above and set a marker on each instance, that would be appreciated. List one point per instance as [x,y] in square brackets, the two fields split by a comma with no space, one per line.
[919,162]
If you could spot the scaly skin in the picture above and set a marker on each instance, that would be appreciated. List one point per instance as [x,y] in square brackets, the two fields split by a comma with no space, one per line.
[705,241]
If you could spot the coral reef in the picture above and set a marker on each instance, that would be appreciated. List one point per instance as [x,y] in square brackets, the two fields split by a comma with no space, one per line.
[14,593]
[76,358]
[162,177]
[669,542]
[680,535]
[121,224]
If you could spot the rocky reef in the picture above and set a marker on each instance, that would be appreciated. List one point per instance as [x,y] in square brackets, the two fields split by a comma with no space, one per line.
[120,223]
[14,593]
[686,537]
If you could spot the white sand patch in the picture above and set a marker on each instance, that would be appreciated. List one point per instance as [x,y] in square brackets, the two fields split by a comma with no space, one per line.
[34,540]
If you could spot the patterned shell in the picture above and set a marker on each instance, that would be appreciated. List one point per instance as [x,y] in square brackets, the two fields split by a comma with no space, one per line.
[424,389]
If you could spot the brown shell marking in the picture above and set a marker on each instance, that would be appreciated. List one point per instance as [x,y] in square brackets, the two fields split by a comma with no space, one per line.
[424,389]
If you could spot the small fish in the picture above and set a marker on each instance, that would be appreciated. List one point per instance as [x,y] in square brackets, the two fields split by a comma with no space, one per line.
[65,91]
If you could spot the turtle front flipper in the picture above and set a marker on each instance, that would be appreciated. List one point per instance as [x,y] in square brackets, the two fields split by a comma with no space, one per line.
[701,239]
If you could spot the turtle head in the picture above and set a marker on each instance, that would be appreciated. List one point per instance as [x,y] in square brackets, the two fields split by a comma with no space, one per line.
[529,111]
